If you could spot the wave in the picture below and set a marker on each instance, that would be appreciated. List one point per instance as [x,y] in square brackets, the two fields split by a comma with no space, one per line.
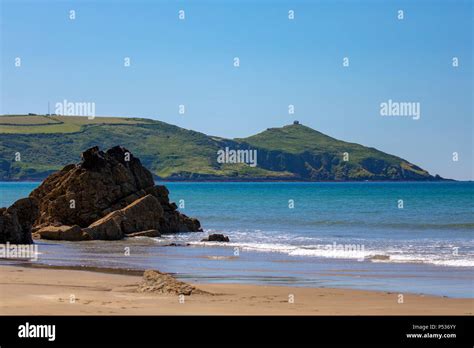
[350,251]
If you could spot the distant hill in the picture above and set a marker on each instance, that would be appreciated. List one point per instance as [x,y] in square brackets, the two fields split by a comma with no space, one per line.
[294,152]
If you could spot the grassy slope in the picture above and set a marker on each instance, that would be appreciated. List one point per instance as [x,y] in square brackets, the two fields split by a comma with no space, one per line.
[40,124]
[297,139]
[48,143]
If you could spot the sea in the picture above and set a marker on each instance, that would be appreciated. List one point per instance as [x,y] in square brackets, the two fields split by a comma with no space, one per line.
[401,237]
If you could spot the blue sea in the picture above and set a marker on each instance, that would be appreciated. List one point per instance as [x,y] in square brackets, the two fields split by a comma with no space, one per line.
[400,237]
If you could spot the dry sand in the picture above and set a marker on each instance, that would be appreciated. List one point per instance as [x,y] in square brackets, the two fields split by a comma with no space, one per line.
[40,291]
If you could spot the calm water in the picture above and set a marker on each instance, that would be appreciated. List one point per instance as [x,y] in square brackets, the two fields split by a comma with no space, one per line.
[353,235]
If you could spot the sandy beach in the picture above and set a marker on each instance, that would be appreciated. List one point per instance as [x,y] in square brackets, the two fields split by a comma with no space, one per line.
[42,291]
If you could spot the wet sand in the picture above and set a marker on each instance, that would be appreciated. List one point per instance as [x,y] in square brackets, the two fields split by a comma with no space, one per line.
[42,291]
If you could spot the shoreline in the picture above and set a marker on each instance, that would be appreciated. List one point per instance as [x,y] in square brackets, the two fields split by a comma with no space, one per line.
[214,264]
[39,290]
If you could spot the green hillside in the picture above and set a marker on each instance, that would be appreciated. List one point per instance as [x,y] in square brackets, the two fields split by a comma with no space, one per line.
[316,156]
[296,152]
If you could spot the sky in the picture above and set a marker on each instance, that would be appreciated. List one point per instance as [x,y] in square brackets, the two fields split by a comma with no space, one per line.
[283,62]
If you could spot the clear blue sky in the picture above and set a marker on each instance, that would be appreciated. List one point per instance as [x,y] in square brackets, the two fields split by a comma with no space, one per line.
[282,62]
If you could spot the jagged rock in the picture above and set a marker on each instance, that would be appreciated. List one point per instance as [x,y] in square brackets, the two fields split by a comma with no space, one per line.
[379,257]
[70,233]
[144,214]
[109,195]
[177,244]
[149,233]
[216,238]
[163,283]
[107,228]
[16,221]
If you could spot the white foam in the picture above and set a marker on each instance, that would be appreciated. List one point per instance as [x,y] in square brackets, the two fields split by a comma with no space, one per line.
[431,259]
[395,255]
[454,263]
[292,250]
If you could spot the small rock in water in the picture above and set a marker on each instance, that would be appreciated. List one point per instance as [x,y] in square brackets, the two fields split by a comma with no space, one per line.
[216,238]
[379,257]
[177,244]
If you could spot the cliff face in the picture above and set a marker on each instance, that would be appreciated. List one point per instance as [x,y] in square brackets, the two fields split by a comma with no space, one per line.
[331,167]
[107,196]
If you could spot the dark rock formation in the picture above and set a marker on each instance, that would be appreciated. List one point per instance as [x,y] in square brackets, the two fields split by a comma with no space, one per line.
[16,221]
[108,195]
[216,238]
[177,245]
[163,283]
[379,257]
